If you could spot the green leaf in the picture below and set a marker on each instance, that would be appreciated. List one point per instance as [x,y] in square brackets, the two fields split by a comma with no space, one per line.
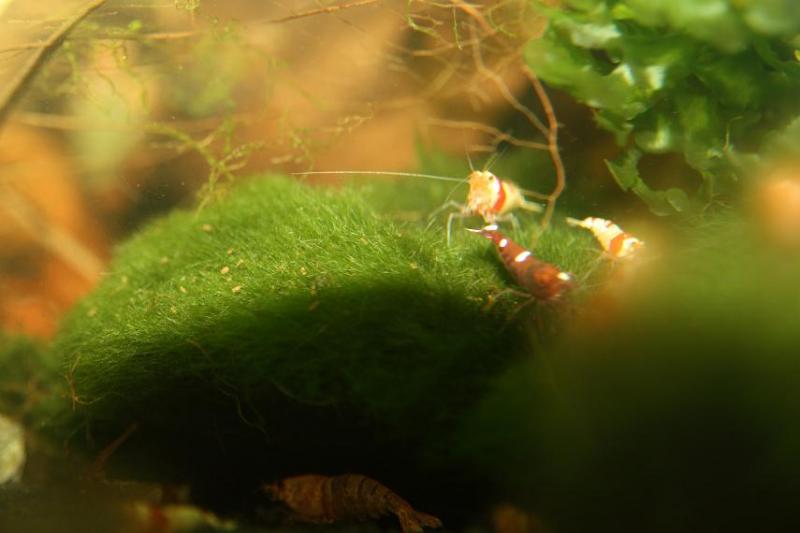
[693,77]
[661,203]
[657,131]
[619,126]
[567,66]
[735,81]
[626,171]
[773,17]
[712,21]
[677,199]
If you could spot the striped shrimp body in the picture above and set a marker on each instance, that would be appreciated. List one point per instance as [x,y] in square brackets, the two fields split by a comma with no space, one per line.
[617,243]
[541,280]
[492,198]
[349,497]
[489,197]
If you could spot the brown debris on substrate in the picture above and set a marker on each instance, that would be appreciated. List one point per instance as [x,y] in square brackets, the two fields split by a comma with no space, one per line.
[326,499]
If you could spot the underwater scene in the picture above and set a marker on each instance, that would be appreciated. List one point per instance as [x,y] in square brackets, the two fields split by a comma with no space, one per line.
[514,266]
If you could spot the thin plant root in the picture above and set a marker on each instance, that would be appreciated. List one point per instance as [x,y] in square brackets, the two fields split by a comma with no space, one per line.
[347,497]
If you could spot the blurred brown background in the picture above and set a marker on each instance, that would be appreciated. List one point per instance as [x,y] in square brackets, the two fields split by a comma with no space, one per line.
[146,105]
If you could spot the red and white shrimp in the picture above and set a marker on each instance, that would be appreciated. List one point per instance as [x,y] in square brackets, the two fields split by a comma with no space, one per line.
[489,197]
[492,198]
[617,243]
[541,280]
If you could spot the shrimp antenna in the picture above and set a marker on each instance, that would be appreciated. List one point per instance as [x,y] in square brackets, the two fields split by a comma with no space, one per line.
[469,160]
[380,173]
[489,162]
[495,157]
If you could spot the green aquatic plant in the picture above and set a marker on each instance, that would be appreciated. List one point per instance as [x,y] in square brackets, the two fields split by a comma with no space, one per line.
[297,327]
[711,80]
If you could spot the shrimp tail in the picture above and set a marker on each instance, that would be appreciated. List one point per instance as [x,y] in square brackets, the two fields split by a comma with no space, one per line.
[412,521]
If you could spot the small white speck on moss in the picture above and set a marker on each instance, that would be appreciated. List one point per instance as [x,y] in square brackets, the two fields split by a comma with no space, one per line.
[208,228]
[237,289]
[182,289]
[224,270]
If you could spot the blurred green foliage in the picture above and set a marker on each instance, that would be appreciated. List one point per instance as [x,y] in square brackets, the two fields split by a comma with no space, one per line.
[673,410]
[27,375]
[713,80]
